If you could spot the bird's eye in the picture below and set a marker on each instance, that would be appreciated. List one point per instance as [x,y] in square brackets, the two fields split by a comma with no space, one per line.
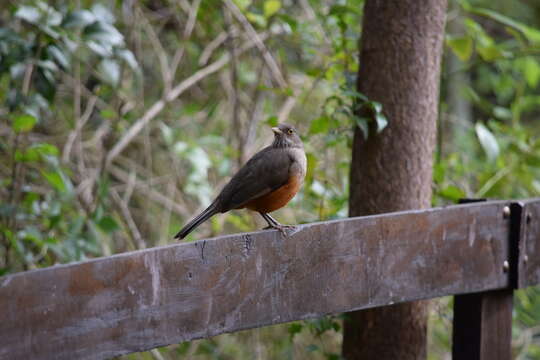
[290,131]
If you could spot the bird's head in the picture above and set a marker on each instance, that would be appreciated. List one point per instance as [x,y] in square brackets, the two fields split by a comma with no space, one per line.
[286,136]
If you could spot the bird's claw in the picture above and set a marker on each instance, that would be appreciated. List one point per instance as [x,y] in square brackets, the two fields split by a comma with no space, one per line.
[281,228]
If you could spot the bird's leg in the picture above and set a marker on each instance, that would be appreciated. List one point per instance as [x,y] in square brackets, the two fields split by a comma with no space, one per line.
[274,224]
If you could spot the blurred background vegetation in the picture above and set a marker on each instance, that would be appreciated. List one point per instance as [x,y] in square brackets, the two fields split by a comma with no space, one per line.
[120,120]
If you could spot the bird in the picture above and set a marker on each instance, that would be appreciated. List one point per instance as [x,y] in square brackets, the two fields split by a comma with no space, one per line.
[267,181]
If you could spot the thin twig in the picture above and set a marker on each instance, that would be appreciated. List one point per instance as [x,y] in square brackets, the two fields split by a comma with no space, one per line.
[158,50]
[81,121]
[150,193]
[233,94]
[213,45]
[286,108]
[188,30]
[158,106]
[267,56]
[126,214]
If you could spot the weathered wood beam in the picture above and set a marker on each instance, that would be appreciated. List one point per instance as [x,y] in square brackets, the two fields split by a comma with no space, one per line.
[141,300]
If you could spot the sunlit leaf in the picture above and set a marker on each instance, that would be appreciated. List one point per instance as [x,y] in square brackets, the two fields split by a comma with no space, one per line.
[78,19]
[488,141]
[381,120]
[461,46]
[29,14]
[103,13]
[103,33]
[54,178]
[502,113]
[23,123]
[490,52]
[45,149]
[531,70]
[129,58]
[110,71]
[61,57]
[271,7]
[452,193]
[257,19]
[242,4]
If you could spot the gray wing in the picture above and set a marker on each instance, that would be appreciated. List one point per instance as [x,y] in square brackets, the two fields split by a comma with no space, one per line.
[264,172]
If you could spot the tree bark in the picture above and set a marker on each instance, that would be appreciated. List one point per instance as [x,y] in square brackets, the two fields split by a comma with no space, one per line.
[399,67]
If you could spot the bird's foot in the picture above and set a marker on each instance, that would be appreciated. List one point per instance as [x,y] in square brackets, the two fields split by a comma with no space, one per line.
[281,228]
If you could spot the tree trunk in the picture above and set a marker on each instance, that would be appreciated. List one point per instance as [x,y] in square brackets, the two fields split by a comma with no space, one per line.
[399,67]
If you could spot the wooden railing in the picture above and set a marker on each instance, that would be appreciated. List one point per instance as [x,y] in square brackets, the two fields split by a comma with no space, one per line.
[140,300]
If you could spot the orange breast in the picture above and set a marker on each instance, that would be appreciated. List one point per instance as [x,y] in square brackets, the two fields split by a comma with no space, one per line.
[277,198]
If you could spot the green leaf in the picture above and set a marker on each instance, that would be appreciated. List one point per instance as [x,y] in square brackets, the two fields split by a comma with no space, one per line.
[272,120]
[532,34]
[55,179]
[452,193]
[107,224]
[271,7]
[461,46]
[23,123]
[108,113]
[531,70]
[340,10]
[319,125]
[292,22]
[488,141]
[294,328]
[183,348]
[362,124]
[30,155]
[242,4]
[490,52]
[256,19]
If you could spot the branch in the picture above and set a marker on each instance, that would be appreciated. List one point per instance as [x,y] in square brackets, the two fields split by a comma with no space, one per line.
[172,95]
[268,58]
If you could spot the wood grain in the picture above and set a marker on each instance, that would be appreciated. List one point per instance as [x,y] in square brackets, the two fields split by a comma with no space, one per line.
[140,300]
[529,246]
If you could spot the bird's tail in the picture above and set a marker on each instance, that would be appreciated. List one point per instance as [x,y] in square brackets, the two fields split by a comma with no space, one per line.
[202,217]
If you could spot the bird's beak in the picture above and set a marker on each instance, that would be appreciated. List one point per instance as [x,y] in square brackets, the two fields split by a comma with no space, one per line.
[277,131]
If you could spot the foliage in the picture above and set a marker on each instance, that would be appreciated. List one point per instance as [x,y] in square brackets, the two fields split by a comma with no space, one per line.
[41,222]
[120,120]
[500,57]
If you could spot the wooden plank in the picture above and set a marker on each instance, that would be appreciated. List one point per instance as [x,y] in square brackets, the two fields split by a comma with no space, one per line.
[140,300]
[482,328]
[529,246]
